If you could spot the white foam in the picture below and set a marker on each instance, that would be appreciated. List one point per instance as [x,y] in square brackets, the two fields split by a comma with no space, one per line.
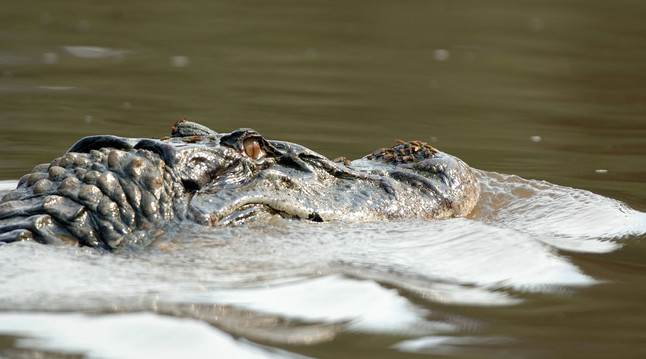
[567,218]
[8,185]
[469,252]
[366,305]
[124,336]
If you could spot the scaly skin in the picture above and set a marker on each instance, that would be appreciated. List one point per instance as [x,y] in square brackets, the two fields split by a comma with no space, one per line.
[111,192]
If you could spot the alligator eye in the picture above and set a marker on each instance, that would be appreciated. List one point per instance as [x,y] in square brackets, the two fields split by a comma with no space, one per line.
[252,148]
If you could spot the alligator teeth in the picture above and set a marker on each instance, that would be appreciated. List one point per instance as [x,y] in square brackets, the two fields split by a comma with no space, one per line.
[284,206]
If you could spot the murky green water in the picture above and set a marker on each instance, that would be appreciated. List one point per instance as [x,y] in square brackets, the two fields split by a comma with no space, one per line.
[550,90]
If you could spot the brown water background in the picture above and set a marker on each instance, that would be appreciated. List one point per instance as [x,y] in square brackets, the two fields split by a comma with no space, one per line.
[551,90]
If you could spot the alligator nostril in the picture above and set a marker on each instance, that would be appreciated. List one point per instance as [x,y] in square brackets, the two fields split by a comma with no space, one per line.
[190,185]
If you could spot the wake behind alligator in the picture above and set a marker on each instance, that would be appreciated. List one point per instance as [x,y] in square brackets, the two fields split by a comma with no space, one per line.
[112,192]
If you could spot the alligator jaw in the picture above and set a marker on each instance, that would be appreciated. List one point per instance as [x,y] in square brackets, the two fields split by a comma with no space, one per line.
[249,204]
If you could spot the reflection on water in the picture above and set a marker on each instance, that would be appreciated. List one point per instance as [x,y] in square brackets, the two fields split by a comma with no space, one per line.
[551,91]
[121,336]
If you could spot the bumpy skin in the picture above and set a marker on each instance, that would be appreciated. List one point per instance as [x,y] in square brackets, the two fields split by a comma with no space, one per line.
[111,192]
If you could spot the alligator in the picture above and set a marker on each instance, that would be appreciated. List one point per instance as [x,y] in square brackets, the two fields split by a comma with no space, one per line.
[112,192]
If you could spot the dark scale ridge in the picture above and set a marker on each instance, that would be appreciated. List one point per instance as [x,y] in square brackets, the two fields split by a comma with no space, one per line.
[404,152]
[97,198]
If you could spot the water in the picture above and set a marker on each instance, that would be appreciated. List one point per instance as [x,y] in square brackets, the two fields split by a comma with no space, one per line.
[549,91]
[289,283]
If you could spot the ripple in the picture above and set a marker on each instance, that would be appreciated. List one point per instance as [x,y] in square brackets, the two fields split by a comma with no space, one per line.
[363,304]
[567,218]
[374,277]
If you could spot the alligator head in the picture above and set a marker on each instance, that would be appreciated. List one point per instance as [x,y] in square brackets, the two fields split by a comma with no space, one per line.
[111,192]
